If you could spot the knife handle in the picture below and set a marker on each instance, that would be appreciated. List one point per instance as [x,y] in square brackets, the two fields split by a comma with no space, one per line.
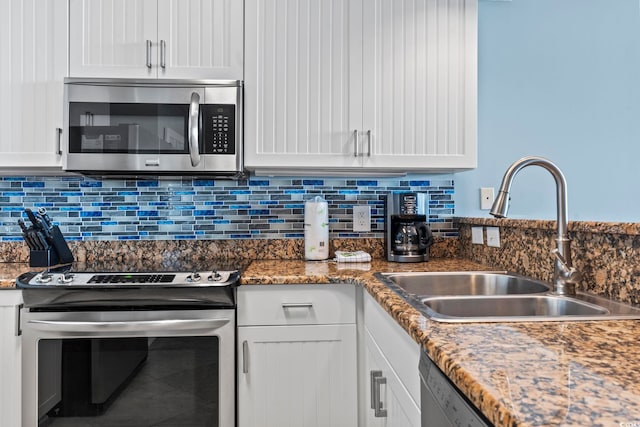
[42,240]
[28,237]
[22,225]
[40,227]
[31,216]
[46,219]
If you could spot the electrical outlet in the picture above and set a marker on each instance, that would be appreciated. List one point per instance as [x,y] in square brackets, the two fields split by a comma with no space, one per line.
[493,237]
[477,235]
[362,218]
[486,198]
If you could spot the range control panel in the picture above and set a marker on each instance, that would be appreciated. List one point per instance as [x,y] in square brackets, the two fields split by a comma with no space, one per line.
[159,279]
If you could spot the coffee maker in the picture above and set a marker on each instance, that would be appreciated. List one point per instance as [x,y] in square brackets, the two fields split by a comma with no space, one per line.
[407,234]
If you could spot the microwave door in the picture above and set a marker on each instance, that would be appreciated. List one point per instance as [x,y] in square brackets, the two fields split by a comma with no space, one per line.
[147,129]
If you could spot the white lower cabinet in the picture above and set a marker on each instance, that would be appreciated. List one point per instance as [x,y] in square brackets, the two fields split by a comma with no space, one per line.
[390,371]
[297,363]
[10,359]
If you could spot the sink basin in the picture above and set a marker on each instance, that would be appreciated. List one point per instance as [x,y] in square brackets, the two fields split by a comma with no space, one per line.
[478,296]
[541,307]
[465,283]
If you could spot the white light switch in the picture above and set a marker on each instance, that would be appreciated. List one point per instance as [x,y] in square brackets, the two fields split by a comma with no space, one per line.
[477,235]
[493,237]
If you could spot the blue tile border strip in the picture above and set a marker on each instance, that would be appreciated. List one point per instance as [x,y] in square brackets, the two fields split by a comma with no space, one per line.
[195,208]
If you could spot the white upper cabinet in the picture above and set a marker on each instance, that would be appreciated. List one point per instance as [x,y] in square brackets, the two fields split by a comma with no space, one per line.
[385,85]
[297,112]
[177,39]
[419,78]
[202,39]
[33,48]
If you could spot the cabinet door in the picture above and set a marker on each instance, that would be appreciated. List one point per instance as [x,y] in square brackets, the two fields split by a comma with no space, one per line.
[200,39]
[397,408]
[113,38]
[10,359]
[297,376]
[420,80]
[297,70]
[33,36]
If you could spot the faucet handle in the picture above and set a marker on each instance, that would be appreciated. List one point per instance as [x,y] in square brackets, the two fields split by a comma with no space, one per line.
[569,273]
[556,253]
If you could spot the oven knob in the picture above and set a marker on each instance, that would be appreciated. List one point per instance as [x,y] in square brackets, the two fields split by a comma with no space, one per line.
[214,277]
[65,278]
[193,277]
[44,278]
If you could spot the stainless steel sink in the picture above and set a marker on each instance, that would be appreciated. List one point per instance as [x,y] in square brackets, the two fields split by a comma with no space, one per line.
[466,297]
[465,283]
[542,307]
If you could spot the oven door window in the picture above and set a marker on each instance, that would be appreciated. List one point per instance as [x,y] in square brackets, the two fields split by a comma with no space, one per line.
[96,127]
[136,382]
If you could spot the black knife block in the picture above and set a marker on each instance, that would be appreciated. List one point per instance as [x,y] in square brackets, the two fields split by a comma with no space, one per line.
[57,252]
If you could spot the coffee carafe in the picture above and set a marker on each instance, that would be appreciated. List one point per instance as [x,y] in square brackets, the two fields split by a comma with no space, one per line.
[408,235]
[411,234]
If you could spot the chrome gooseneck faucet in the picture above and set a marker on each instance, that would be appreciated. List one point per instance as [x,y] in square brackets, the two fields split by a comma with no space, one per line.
[565,277]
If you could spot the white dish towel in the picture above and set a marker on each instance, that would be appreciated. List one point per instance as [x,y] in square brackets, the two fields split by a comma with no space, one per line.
[356,256]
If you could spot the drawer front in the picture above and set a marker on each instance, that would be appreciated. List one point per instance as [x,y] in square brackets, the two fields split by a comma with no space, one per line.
[296,305]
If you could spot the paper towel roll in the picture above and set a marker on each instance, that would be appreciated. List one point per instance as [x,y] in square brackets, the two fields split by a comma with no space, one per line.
[316,229]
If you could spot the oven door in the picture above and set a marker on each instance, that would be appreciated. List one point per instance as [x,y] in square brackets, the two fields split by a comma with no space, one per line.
[129,368]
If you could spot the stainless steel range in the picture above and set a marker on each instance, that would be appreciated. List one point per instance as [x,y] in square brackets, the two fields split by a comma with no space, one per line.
[149,348]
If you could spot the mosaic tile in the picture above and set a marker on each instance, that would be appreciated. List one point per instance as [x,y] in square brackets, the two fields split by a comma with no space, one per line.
[173,209]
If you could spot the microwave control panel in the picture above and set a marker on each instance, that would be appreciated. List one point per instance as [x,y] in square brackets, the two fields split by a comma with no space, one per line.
[219,129]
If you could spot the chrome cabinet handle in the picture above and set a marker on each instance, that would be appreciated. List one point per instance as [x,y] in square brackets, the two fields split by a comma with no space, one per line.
[128,326]
[372,376]
[163,50]
[369,143]
[194,114]
[376,404]
[286,305]
[58,141]
[245,357]
[148,53]
[355,143]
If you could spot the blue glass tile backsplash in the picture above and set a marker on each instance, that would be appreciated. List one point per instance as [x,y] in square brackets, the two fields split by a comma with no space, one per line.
[191,208]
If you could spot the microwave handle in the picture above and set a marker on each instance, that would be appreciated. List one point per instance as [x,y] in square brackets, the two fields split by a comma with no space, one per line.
[194,115]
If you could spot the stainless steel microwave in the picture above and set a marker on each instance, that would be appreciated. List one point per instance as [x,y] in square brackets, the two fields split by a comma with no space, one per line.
[162,127]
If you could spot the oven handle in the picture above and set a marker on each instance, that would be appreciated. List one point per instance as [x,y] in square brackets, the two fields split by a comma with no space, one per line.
[127,326]
[194,116]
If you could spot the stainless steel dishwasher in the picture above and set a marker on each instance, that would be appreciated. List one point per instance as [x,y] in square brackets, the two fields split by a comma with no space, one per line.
[442,405]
